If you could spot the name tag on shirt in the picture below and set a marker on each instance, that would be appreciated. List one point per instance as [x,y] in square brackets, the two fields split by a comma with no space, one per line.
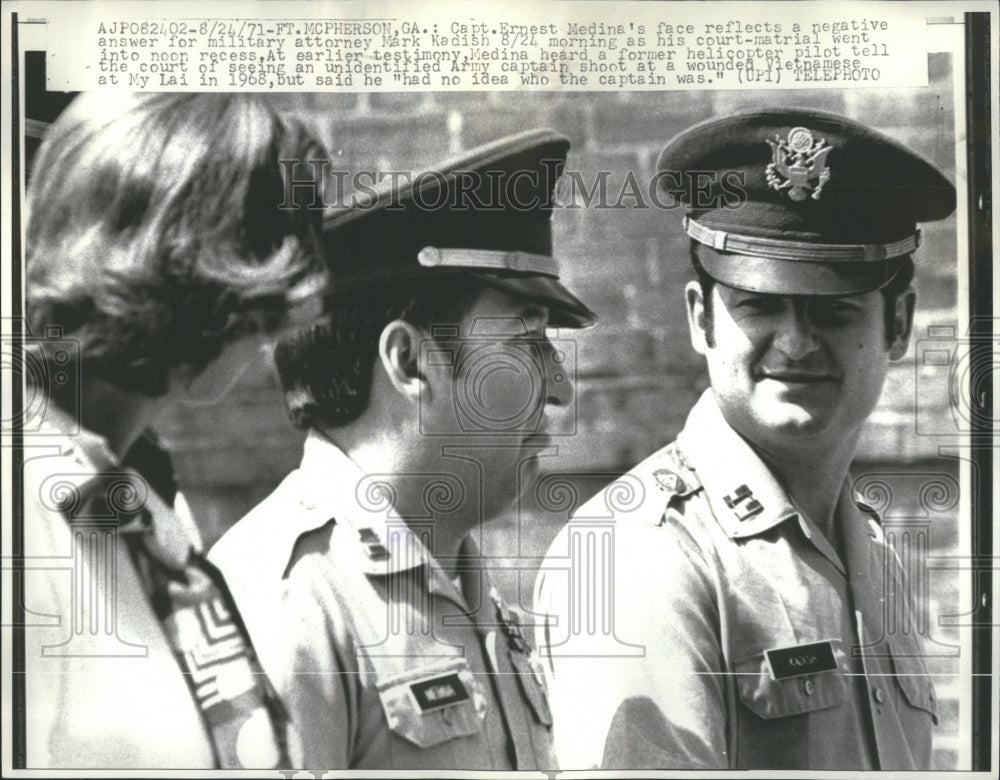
[800,660]
[438,692]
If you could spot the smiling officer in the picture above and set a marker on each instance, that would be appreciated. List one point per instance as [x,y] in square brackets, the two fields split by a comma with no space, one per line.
[426,390]
[753,578]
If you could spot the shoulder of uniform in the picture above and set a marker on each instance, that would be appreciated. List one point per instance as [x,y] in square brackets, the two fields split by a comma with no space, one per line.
[672,474]
[644,493]
[261,546]
[314,541]
[672,482]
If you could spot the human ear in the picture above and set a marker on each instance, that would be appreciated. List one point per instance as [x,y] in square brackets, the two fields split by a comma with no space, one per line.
[398,355]
[902,323]
[697,319]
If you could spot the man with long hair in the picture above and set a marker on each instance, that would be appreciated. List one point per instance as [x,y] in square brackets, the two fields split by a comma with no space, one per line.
[158,257]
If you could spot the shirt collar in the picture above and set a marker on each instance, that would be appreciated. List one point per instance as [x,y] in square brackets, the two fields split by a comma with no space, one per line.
[169,537]
[89,449]
[334,487]
[859,526]
[745,497]
[855,523]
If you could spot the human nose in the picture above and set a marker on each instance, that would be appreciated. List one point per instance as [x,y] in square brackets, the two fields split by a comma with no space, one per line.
[795,334]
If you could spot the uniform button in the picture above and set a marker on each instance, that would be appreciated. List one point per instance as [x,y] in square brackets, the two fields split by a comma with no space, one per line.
[810,687]
[446,715]
[879,695]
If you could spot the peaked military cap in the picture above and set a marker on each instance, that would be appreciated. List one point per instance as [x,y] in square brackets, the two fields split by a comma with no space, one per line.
[801,202]
[487,213]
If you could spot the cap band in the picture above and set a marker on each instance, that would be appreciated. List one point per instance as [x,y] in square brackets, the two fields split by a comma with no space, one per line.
[488,259]
[802,251]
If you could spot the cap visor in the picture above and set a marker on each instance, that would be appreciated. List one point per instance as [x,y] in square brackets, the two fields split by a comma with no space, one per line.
[565,309]
[794,277]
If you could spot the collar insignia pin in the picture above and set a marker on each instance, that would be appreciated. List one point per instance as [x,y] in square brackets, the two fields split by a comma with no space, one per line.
[376,550]
[743,504]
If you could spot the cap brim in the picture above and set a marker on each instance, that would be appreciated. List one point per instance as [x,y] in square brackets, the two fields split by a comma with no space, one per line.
[794,277]
[565,309]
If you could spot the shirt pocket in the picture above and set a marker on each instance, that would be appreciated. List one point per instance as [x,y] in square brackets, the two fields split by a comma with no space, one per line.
[433,704]
[769,698]
[911,674]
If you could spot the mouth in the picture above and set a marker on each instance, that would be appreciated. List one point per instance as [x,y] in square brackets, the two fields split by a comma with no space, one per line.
[796,377]
[538,440]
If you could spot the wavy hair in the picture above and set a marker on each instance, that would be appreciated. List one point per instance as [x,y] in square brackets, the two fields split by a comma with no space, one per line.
[157,232]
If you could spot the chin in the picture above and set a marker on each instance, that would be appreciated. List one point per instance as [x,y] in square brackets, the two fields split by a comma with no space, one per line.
[792,420]
[795,424]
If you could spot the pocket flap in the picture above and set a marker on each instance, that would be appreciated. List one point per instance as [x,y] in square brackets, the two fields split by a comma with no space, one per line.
[919,692]
[430,705]
[911,673]
[769,698]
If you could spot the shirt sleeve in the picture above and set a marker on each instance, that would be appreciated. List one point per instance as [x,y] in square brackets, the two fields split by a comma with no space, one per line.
[309,672]
[639,684]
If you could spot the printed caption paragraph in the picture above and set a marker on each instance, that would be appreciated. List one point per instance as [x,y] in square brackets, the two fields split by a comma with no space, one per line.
[633,46]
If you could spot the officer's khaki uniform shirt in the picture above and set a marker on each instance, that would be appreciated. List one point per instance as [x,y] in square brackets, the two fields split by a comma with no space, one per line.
[382,660]
[709,566]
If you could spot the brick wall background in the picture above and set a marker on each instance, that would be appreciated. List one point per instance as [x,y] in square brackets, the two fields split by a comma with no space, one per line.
[637,375]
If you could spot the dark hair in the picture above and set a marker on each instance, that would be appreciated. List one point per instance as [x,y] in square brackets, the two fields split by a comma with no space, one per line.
[155,233]
[326,370]
[890,292]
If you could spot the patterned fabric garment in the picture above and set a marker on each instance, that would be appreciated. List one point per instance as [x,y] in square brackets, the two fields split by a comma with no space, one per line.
[156,670]
[242,713]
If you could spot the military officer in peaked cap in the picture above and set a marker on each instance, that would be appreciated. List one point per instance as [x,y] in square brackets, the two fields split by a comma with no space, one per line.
[426,389]
[749,585]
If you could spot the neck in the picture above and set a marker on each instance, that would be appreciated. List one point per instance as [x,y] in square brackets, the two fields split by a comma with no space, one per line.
[813,478]
[385,453]
[117,416]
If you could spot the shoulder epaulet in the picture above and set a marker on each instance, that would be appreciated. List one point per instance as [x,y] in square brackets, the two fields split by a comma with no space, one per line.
[672,474]
[315,540]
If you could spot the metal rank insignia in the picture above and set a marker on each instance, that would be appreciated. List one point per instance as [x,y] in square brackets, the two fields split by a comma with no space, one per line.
[743,504]
[798,164]
[509,624]
[522,658]
[373,545]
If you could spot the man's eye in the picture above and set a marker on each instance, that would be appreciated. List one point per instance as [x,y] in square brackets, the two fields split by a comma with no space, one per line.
[759,305]
[833,309]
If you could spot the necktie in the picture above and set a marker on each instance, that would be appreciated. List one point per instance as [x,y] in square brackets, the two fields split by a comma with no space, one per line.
[243,716]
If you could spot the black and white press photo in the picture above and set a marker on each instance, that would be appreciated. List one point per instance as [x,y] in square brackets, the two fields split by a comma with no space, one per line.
[498,387]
